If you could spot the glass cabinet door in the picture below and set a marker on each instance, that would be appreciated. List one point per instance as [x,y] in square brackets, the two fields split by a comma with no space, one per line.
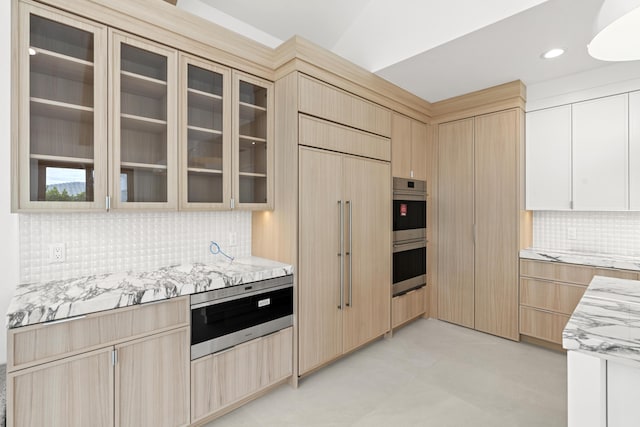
[144,137]
[205,135]
[62,145]
[253,142]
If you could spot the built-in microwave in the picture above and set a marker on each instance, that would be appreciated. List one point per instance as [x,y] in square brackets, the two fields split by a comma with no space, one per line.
[409,235]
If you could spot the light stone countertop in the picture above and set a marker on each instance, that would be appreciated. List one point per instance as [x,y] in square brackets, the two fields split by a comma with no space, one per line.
[606,322]
[60,299]
[604,261]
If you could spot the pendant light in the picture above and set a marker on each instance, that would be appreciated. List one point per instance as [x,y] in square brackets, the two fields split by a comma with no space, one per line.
[617,31]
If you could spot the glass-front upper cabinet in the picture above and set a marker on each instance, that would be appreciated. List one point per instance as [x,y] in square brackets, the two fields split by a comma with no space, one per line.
[62,120]
[205,135]
[144,124]
[252,142]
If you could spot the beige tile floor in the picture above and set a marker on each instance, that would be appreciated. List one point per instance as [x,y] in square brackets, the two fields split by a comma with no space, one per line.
[430,373]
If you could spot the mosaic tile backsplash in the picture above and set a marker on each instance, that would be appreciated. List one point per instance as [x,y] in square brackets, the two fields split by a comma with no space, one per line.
[98,243]
[602,233]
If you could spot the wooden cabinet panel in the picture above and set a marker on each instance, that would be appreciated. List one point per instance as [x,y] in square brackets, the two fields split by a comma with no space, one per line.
[570,273]
[548,157]
[400,146]
[72,392]
[367,192]
[329,136]
[419,150]
[600,154]
[496,196]
[634,151]
[152,381]
[320,264]
[552,296]
[543,325]
[455,223]
[328,102]
[409,148]
[30,345]
[222,379]
[408,306]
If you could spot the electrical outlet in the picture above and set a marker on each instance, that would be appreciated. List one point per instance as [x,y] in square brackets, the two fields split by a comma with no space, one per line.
[572,233]
[57,253]
[233,239]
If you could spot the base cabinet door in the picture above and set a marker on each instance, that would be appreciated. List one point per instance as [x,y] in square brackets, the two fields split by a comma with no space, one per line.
[232,376]
[77,391]
[152,381]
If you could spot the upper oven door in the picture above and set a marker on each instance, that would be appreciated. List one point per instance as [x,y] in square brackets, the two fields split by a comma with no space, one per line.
[409,219]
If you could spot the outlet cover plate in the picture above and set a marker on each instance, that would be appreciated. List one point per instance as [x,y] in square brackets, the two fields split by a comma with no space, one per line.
[57,253]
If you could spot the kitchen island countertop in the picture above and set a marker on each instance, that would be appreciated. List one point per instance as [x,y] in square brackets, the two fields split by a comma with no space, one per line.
[60,299]
[606,322]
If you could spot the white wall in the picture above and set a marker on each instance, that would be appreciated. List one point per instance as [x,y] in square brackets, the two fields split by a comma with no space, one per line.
[8,222]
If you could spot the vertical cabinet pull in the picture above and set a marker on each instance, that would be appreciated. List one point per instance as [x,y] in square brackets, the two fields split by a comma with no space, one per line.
[350,254]
[341,214]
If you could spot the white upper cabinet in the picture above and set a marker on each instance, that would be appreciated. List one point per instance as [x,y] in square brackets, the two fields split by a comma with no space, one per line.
[634,151]
[548,147]
[600,154]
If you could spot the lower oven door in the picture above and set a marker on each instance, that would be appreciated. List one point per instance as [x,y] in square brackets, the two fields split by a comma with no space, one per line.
[409,266]
[222,324]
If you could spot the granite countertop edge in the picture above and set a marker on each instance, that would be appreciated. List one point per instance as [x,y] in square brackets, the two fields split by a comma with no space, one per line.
[57,300]
[593,260]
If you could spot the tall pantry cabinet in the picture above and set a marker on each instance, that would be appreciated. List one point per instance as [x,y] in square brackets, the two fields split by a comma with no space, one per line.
[479,179]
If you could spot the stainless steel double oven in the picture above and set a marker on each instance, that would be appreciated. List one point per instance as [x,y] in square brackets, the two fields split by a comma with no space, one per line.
[409,235]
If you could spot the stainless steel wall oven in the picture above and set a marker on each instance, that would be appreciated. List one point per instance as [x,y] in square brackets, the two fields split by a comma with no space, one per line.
[409,235]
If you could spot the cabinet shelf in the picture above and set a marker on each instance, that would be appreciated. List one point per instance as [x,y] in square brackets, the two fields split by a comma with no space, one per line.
[135,165]
[252,106]
[253,175]
[203,132]
[205,171]
[252,138]
[142,85]
[59,65]
[60,110]
[60,159]
[143,124]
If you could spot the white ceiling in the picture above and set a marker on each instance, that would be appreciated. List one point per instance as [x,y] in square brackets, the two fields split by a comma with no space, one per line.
[435,49]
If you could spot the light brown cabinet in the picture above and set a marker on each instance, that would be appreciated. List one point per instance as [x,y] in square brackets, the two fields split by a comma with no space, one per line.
[478,229]
[144,117]
[227,378]
[409,148]
[344,269]
[252,142]
[550,292]
[128,367]
[408,306]
[72,392]
[62,134]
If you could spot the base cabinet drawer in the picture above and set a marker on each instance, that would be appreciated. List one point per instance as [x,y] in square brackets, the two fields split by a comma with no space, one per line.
[552,296]
[228,377]
[542,324]
[408,306]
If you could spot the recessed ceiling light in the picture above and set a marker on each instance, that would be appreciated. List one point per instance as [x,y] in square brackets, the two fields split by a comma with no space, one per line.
[552,53]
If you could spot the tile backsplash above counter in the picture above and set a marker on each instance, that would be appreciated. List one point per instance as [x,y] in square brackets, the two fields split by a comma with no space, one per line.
[601,234]
[98,243]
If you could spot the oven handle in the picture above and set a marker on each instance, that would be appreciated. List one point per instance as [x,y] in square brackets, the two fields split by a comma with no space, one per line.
[240,296]
[409,245]
[409,196]
[341,214]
